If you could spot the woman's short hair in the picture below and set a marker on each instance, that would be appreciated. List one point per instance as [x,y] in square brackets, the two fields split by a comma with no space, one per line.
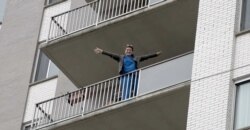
[130,46]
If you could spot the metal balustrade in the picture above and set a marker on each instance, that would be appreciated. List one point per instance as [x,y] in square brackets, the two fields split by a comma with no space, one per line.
[92,14]
[86,100]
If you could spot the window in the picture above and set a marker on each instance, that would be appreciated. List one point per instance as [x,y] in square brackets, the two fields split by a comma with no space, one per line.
[245,16]
[45,68]
[2,8]
[49,2]
[242,111]
[27,127]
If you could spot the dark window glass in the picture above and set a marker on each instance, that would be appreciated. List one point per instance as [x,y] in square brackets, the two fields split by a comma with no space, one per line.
[242,108]
[27,127]
[49,2]
[245,17]
[42,67]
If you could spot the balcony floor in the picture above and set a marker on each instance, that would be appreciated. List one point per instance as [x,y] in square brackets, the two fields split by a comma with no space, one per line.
[162,110]
[169,27]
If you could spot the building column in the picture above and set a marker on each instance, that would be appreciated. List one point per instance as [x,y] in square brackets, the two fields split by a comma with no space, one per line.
[209,103]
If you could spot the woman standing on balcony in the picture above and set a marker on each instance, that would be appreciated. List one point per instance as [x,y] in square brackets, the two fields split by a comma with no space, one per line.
[127,63]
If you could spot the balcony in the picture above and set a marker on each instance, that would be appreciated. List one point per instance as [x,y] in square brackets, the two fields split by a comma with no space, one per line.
[150,26]
[156,99]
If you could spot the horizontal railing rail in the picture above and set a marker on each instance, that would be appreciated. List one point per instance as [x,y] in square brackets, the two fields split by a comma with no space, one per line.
[86,100]
[92,14]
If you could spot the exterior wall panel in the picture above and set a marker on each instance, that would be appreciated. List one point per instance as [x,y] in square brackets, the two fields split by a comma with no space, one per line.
[39,93]
[210,102]
[18,41]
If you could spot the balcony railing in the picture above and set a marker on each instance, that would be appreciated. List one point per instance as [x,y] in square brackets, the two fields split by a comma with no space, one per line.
[86,100]
[92,14]
[113,91]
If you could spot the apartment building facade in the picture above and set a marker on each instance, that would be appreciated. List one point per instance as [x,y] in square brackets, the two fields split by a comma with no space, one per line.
[51,78]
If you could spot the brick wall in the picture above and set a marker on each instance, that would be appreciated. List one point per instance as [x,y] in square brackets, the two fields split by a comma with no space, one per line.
[209,104]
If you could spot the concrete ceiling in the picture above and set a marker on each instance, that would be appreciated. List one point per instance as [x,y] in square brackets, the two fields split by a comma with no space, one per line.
[165,111]
[170,28]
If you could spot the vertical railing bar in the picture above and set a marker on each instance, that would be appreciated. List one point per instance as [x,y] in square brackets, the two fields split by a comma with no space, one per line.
[97,14]
[127,86]
[123,84]
[112,8]
[64,109]
[69,21]
[138,81]
[68,107]
[134,8]
[48,37]
[72,103]
[89,99]
[138,4]
[75,19]
[53,28]
[60,115]
[127,6]
[78,101]
[85,99]
[88,16]
[92,15]
[130,5]
[96,95]
[66,20]
[121,7]
[112,91]
[120,88]
[92,98]
[101,11]
[34,117]
[48,114]
[75,103]
[116,7]
[45,109]
[109,10]
[116,98]
[40,115]
[57,109]
[131,85]
[84,17]
[80,18]
[100,96]
[64,24]
[106,9]
[107,95]
[57,27]
[54,108]
[104,93]
[59,21]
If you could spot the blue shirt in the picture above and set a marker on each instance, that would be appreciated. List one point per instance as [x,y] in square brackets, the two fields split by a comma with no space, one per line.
[128,64]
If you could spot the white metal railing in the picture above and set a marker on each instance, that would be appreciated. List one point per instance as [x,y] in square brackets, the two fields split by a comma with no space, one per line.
[86,100]
[92,14]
